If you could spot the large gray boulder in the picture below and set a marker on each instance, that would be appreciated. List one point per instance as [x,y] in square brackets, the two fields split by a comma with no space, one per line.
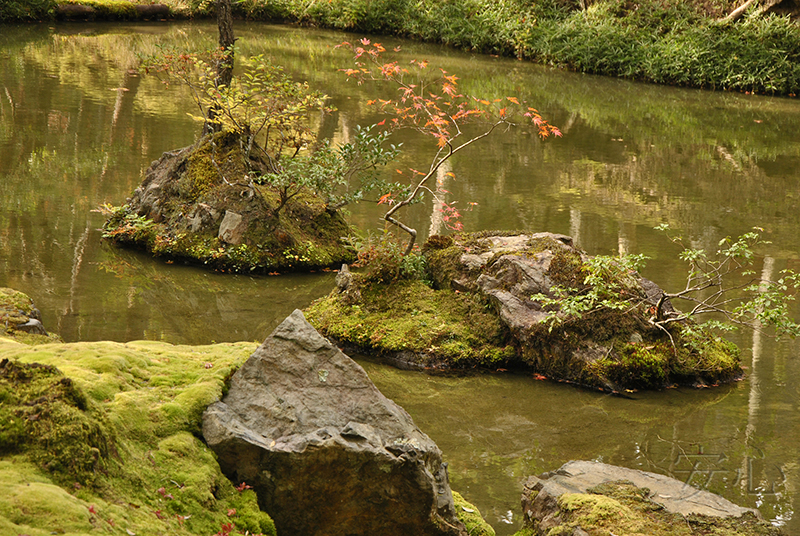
[325,451]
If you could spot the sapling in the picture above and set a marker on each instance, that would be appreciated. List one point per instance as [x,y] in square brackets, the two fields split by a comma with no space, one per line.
[430,102]
[720,286]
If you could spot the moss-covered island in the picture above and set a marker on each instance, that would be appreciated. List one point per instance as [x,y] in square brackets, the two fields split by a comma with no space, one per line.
[200,205]
[476,306]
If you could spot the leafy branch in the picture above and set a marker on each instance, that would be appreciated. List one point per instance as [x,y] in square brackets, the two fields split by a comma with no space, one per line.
[721,285]
[432,105]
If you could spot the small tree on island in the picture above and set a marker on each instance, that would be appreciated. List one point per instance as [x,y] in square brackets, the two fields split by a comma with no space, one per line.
[431,103]
[272,117]
[721,286]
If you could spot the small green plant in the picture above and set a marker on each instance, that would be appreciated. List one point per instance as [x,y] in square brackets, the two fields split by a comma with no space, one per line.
[721,285]
[609,283]
[272,116]
[383,260]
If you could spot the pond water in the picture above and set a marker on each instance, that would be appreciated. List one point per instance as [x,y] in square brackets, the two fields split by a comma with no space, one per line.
[78,126]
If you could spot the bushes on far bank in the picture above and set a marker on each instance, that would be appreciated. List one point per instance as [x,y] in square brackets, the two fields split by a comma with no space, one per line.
[26,10]
[662,41]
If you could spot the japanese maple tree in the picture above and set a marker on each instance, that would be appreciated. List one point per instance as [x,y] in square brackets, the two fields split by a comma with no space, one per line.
[430,102]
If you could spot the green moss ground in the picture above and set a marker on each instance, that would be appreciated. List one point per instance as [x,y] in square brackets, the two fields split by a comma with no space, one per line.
[408,316]
[622,508]
[114,447]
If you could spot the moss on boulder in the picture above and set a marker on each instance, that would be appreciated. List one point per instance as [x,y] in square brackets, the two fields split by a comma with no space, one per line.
[623,508]
[20,320]
[201,205]
[115,446]
[469,515]
[480,310]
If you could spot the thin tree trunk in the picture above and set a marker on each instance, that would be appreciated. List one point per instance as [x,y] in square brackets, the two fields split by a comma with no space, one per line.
[224,66]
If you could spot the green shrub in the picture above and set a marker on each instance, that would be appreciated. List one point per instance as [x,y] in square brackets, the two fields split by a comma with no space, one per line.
[25,10]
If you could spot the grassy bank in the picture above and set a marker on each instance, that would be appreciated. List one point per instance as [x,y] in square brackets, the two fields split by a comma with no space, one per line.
[660,41]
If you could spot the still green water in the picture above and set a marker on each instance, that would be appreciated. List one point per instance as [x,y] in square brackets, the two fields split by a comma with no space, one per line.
[78,127]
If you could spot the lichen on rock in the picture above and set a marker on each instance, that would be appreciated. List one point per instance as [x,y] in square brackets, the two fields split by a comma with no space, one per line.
[202,204]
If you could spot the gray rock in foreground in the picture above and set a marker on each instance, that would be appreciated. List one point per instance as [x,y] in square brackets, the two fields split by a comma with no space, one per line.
[325,451]
[540,494]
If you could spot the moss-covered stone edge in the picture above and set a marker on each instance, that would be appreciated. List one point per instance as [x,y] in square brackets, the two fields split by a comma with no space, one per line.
[622,508]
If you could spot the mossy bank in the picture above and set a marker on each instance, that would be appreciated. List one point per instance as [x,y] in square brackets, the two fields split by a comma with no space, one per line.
[474,306]
[200,205]
[104,437]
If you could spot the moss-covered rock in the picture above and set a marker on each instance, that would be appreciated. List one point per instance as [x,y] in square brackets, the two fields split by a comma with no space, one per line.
[620,507]
[488,306]
[20,320]
[108,441]
[200,205]
[469,515]
[414,325]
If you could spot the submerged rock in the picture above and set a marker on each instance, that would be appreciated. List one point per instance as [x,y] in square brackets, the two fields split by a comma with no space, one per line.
[201,204]
[325,451]
[488,307]
[582,497]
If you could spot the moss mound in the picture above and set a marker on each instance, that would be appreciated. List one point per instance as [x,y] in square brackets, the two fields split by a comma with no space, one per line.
[47,416]
[622,508]
[115,447]
[408,321]
[201,205]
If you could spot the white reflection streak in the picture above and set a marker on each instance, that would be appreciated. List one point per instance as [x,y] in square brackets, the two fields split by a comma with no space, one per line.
[754,400]
[575,225]
[437,220]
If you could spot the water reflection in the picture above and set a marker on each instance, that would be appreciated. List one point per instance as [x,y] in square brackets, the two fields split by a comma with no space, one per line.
[78,127]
